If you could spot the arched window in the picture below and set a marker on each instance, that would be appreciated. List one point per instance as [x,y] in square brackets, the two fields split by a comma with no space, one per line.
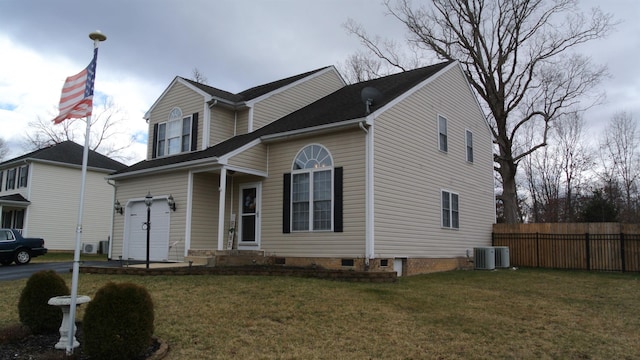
[312,190]
[176,135]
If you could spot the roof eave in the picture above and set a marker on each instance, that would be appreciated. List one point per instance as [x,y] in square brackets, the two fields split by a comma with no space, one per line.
[160,169]
[316,130]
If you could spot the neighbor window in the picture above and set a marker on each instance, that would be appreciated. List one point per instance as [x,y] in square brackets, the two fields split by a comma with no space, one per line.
[11,179]
[469,146]
[22,177]
[174,136]
[1,178]
[442,134]
[312,190]
[450,215]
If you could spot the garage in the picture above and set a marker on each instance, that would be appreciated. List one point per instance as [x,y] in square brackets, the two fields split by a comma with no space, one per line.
[135,247]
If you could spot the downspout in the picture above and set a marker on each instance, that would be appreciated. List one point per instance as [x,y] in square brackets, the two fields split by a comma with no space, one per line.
[221,205]
[113,215]
[369,230]
[206,125]
[250,120]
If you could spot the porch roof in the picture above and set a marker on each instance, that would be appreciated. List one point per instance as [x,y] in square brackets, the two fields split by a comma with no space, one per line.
[14,199]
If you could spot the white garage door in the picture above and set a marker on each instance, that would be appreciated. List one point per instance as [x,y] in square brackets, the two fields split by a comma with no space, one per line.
[136,247]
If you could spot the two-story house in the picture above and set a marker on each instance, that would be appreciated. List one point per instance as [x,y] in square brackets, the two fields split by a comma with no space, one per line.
[40,194]
[390,174]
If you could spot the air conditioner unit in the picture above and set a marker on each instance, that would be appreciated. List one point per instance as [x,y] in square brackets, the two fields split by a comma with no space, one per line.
[484,258]
[89,248]
[502,256]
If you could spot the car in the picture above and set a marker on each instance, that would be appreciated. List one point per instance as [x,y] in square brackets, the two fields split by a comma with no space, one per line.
[16,248]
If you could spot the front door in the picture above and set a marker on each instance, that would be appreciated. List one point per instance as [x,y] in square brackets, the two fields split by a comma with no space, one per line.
[249,234]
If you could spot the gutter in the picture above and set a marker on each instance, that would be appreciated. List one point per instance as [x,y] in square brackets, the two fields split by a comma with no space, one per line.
[206,161]
[316,129]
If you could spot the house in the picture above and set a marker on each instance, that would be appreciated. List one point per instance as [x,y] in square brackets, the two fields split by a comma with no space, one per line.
[40,195]
[392,174]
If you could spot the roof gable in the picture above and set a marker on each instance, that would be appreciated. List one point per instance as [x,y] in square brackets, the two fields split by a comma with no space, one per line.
[69,153]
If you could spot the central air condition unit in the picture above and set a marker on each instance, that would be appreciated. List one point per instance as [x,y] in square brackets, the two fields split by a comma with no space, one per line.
[502,256]
[484,258]
[89,248]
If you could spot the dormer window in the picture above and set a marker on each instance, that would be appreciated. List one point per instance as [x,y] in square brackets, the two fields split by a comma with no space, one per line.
[176,135]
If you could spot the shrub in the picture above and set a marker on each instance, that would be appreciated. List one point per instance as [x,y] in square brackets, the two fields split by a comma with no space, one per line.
[118,322]
[33,307]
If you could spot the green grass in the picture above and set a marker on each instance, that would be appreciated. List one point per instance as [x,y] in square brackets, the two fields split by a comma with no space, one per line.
[524,314]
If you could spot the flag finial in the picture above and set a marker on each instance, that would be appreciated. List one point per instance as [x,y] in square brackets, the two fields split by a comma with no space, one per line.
[97,35]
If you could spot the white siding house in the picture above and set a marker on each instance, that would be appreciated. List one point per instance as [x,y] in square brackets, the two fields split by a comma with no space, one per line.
[42,198]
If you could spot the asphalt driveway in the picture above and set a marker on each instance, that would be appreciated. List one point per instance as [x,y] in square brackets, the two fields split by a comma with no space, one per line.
[15,272]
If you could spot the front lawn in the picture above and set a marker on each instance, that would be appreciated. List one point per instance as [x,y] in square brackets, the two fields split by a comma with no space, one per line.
[522,314]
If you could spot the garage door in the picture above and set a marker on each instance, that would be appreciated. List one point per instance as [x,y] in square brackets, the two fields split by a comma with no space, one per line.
[136,241]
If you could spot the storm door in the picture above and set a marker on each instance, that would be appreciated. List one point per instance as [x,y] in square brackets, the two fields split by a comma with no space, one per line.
[249,234]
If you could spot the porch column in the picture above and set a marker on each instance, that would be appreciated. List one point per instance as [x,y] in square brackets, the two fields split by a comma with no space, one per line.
[221,206]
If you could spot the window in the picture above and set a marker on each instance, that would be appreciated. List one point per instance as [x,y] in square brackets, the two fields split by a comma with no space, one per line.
[311,190]
[1,178]
[450,215]
[442,133]
[23,175]
[11,179]
[469,146]
[175,135]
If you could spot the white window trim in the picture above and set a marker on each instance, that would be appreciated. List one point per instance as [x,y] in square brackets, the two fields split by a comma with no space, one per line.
[450,227]
[311,173]
[445,133]
[466,146]
[173,116]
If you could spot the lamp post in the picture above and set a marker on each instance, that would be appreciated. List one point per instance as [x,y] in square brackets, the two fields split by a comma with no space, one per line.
[148,200]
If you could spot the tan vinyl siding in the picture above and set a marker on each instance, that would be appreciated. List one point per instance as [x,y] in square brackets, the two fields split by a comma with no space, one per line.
[222,125]
[242,122]
[284,102]
[204,215]
[409,178]
[163,185]
[55,196]
[254,158]
[348,151]
[181,96]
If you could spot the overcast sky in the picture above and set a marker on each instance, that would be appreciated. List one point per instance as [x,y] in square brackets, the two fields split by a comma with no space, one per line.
[235,44]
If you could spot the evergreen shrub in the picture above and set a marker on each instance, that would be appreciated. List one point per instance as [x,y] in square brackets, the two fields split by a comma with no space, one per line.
[118,322]
[33,307]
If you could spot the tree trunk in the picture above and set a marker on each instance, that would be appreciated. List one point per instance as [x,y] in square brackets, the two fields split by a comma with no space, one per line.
[509,194]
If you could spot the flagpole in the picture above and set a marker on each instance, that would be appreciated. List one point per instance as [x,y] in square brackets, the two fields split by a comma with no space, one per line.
[97,37]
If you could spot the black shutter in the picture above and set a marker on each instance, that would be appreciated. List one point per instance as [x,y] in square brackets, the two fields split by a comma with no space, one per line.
[194,132]
[337,199]
[154,146]
[286,204]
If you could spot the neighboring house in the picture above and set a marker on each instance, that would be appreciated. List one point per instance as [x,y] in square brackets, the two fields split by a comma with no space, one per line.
[40,195]
[390,174]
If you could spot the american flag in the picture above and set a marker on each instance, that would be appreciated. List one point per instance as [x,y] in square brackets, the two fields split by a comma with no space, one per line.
[76,100]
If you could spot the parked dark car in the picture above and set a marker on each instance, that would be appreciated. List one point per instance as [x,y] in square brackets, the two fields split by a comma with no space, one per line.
[14,247]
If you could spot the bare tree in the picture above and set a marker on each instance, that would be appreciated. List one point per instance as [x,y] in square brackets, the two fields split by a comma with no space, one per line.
[517,56]
[108,135]
[4,150]
[198,76]
[620,151]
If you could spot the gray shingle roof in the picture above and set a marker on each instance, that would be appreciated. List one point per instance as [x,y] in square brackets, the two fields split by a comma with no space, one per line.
[253,92]
[68,152]
[342,105]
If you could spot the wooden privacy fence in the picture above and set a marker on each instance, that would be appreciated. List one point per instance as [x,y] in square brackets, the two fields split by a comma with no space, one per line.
[606,246]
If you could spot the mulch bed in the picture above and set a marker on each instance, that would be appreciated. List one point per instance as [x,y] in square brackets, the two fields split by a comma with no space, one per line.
[17,343]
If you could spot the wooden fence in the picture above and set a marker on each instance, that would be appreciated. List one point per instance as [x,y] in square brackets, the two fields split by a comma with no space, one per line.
[593,246]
